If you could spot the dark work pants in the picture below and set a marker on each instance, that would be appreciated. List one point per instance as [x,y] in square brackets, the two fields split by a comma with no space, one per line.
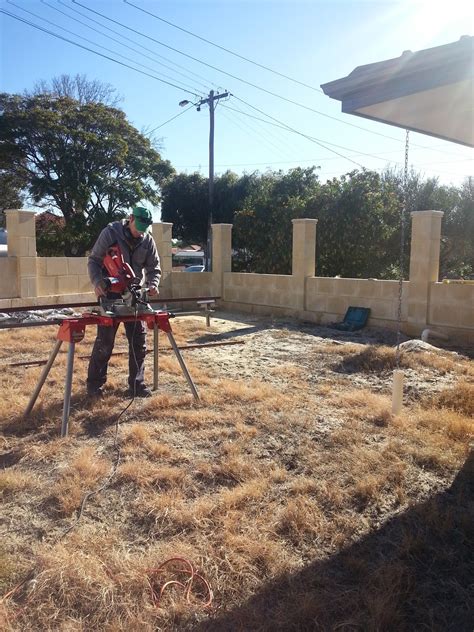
[102,350]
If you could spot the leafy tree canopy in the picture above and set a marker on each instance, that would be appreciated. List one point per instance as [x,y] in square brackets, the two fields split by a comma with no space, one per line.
[84,159]
[358,233]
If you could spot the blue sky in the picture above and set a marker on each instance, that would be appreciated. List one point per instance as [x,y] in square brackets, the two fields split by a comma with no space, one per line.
[313,42]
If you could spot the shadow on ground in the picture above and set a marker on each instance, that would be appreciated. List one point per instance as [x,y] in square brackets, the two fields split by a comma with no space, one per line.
[415,573]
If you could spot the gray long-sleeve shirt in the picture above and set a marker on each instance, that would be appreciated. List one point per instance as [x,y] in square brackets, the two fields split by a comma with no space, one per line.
[140,253]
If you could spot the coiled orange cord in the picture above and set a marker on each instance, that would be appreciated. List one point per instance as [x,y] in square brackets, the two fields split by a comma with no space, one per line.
[186,585]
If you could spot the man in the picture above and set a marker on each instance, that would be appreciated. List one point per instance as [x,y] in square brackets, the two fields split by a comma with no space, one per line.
[139,250]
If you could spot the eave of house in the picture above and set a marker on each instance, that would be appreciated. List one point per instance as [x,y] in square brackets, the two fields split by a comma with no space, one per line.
[430,91]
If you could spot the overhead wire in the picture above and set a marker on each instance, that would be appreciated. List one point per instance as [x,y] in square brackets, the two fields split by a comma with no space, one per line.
[251,61]
[249,83]
[183,88]
[227,50]
[310,138]
[116,61]
[246,127]
[190,89]
[191,75]
[265,128]
[171,119]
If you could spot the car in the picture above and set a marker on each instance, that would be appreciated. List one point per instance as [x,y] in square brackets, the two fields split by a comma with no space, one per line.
[194,269]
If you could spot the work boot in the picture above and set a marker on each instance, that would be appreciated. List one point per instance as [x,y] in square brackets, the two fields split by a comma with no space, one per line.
[95,393]
[140,390]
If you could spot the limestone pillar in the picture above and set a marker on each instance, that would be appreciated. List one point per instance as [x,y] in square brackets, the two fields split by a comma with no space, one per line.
[424,266]
[304,257]
[162,233]
[221,255]
[21,227]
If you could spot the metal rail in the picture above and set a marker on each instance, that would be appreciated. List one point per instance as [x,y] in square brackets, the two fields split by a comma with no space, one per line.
[160,301]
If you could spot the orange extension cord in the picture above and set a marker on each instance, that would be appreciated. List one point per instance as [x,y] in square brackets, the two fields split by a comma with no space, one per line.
[186,585]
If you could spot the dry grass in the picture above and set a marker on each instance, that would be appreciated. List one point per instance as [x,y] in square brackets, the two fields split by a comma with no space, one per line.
[303,501]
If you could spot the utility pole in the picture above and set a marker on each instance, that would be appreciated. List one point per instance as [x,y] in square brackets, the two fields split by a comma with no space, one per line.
[210,101]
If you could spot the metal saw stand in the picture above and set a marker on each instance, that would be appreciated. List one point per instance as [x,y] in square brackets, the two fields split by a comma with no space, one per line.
[73,331]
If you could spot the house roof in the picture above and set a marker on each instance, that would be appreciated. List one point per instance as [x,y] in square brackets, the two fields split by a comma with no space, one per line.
[430,91]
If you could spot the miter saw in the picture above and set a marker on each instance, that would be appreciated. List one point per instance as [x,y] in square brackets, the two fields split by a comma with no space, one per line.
[125,296]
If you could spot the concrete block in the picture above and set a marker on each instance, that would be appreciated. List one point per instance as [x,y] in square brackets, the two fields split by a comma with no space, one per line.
[325,285]
[56,266]
[41,266]
[389,289]
[68,284]
[28,287]
[27,266]
[83,283]
[76,265]
[466,318]
[47,286]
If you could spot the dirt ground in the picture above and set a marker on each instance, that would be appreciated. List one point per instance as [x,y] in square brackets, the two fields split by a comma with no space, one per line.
[291,486]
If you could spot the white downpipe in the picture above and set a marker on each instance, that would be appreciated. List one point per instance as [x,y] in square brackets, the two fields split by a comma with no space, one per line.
[427,333]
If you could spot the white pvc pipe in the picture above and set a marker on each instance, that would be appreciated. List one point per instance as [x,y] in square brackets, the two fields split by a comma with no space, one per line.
[426,333]
[397,391]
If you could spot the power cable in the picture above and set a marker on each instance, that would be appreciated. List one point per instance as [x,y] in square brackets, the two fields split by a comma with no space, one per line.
[171,119]
[187,88]
[277,137]
[292,129]
[227,50]
[114,40]
[116,61]
[246,127]
[192,75]
[253,85]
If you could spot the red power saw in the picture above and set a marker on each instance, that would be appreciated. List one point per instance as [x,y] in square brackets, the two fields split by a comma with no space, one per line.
[123,281]
[122,277]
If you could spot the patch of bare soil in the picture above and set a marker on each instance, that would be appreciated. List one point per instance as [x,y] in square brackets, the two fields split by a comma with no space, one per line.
[290,486]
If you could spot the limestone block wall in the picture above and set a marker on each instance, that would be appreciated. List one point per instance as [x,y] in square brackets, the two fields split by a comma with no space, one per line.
[330,298]
[272,290]
[8,277]
[26,279]
[189,284]
[451,308]
[62,275]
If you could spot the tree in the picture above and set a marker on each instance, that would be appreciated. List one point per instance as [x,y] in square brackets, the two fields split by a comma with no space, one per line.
[185,202]
[84,159]
[358,228]
[79,88]
[457,242]
[263,229]
[11,196]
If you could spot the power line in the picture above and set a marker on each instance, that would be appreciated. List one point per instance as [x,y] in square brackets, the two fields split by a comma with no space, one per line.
[286,127]
[171,119]
[266,129]
[253,85]
[116,61]
[107,28]
[109,37]
[245,127]
[245,81]
[227,50]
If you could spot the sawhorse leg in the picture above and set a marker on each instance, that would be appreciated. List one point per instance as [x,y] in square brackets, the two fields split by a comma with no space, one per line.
[182,365]
[67,390]
[156,347]
[43,377]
